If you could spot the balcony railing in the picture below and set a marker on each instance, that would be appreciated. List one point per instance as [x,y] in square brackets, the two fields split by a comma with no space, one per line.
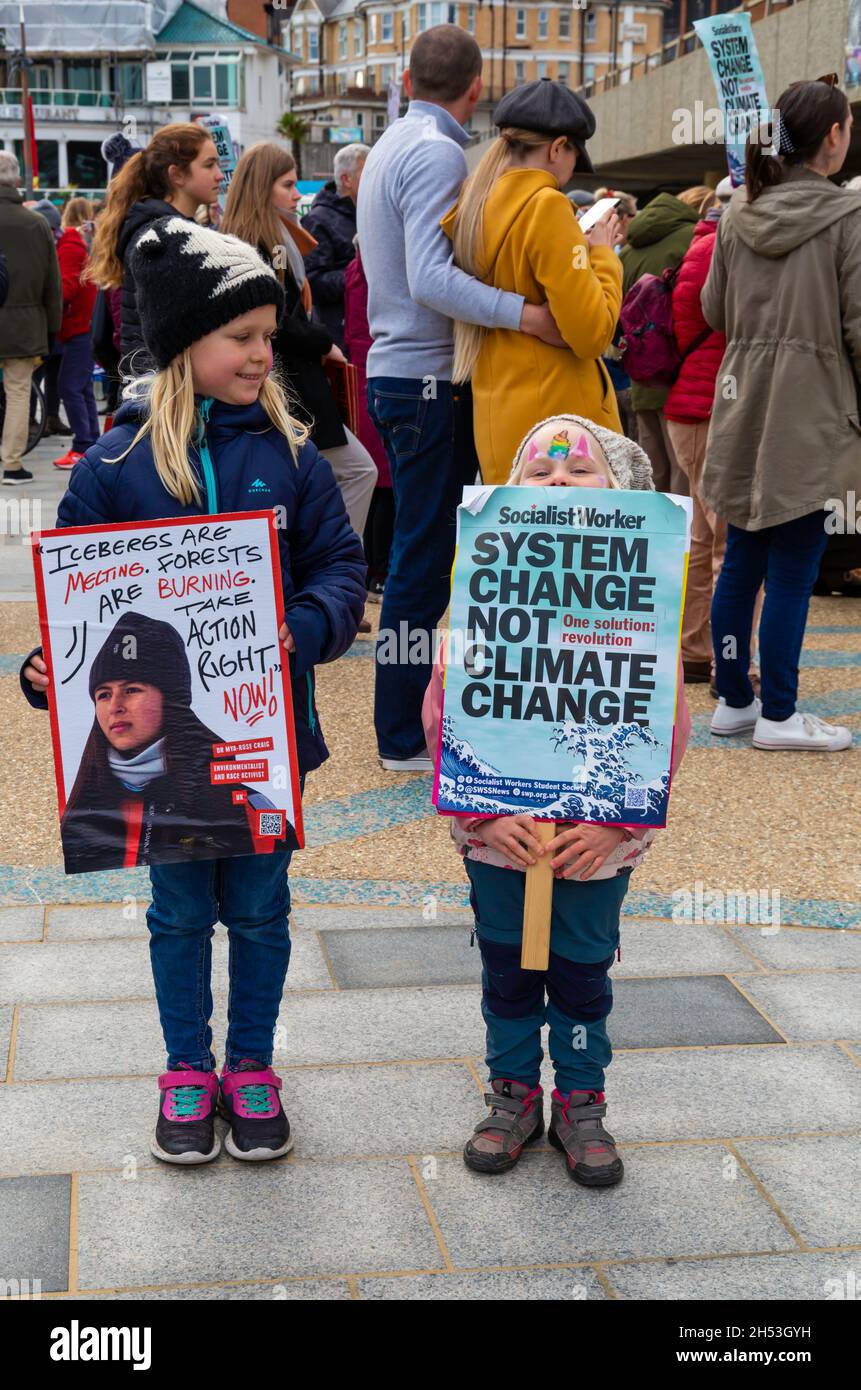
[57,96]
[331,91]
[676,48]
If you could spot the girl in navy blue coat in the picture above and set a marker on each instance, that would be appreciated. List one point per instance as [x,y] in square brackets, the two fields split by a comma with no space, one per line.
[211,432]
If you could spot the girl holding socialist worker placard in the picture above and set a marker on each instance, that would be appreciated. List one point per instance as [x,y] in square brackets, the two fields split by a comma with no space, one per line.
[592,866]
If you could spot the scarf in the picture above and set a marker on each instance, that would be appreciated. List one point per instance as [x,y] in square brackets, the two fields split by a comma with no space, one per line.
[135,772]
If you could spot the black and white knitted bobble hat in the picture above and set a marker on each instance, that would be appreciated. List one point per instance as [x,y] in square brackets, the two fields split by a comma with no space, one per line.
[629,463]
[191,280]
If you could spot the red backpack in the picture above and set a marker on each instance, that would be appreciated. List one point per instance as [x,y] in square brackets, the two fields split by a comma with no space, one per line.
[650,354]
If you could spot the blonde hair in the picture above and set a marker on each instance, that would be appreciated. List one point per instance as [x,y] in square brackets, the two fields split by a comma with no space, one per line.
[699,197]
[249,212]
[76,212]
[506,151]
[520,460]
[173,423]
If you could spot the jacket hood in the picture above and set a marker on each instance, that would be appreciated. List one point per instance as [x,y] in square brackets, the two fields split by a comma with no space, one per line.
[790,213]
[139,216]
[221,415]
[507,199]
[659,218]
[329,197]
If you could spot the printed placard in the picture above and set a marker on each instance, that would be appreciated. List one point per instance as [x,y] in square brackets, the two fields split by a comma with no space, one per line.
[170,698]
[562,661]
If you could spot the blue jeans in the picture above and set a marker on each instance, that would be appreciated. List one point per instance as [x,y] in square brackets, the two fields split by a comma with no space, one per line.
[431,453]
[250,894]
[75,384]
[787,557]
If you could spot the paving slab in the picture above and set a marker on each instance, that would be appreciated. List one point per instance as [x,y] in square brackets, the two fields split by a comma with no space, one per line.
[86,970]
[379,957]
[810,1004]
[801,1278]
[715,1093]
[110,1039]
[673,1200]
[34,1231]
[289,1291]
[277,1219]
[684,1011]
[97,921]
[797,948]
[361,918]
[65,1126]
[21,924]
[815,1182]
[661,947]
[558,1285]
[381,1110]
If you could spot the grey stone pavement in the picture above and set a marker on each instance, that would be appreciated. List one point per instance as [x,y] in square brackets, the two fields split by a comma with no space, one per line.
[734,1095]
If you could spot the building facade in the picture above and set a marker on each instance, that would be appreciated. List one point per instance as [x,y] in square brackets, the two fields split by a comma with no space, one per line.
[351,53]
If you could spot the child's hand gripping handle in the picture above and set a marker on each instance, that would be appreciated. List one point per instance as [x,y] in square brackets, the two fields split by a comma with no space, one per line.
[538,905]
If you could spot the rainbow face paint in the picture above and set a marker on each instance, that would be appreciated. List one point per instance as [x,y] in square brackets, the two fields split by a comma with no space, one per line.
[560,446]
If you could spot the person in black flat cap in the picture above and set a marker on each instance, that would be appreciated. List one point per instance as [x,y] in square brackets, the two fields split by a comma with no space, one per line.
[143,794]
[515,229]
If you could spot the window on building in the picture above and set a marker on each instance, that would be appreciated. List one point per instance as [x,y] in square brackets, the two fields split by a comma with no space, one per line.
[564,24]
[589,27]
[314,44]
[451,14]
[430,13]
[372,28]
[342,39]
[129,79]
[541,69]
[180,82]
[543,23]
[342,82]
[519,71]
[562,71]
[85,78]
[387,75]
[379,122]
[470,19]
[201,84]
[387,27]
[357,37]
[520,24]
[41,79]
[588,72]
[359,77]
[405,24]
[87,169]
[48,155]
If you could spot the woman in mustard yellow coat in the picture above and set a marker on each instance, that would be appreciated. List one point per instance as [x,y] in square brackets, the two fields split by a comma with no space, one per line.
[513,228]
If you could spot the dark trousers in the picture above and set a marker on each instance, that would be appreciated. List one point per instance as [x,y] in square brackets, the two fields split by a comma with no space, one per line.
[379,529]
[76,391]
[431,452]
[787,558]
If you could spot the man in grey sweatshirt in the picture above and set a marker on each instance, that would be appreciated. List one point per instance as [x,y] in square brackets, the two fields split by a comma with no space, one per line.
[411,178]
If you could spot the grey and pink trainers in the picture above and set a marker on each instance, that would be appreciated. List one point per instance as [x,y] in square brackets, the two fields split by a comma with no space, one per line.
[259,1129]
[576,1129]
[185,1130]
[516,1119]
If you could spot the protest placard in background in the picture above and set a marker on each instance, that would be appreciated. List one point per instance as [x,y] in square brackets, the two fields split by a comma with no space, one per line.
[170,702]
[728,39]
[561,669]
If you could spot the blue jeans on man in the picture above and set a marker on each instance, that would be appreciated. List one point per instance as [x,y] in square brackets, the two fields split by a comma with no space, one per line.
[426,427]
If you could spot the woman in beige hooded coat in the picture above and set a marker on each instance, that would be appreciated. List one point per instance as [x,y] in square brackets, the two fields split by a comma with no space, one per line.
[784,446]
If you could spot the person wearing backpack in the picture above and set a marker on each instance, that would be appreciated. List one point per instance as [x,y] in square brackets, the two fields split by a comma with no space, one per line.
[658,238]
[783,459]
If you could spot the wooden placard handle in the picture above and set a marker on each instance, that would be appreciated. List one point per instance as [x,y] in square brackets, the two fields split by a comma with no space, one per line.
[537,905]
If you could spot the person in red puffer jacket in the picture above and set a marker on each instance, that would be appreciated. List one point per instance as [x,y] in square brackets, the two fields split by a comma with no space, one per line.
[687,411]
[75,379]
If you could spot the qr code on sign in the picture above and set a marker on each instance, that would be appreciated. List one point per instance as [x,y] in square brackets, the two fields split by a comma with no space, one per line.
[635,798]
[271,823]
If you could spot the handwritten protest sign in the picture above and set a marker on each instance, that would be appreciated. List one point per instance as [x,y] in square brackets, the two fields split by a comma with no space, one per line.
[170,702]
[737,72]
[561,671]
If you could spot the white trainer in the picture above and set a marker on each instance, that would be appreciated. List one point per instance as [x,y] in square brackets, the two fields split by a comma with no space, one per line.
[420,763]
[804,731]
[727,720]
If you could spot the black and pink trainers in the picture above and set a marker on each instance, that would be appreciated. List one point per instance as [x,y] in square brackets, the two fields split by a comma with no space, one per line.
[185,1130]
[259,1129]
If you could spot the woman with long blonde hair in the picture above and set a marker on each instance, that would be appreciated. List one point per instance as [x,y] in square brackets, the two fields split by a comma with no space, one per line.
[176,173]
[261,209]
[513,228]
[209,433]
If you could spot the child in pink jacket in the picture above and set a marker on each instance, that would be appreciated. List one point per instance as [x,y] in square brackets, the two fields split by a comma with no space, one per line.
[591,865]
